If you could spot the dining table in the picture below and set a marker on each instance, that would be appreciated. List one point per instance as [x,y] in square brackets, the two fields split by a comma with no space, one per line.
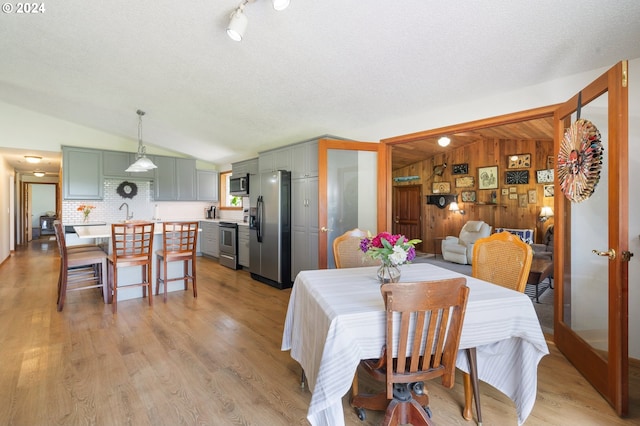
[336,317]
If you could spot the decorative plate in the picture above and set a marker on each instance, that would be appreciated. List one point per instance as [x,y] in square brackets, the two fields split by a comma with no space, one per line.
[127,189]
[580,160]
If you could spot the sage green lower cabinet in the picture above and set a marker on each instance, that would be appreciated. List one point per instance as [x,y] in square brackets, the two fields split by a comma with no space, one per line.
[82,174]
[304,225]
[243,246]
[209,239]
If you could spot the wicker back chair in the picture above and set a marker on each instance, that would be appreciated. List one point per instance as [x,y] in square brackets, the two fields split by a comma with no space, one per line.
[505,260]
[347,253]
[502,259]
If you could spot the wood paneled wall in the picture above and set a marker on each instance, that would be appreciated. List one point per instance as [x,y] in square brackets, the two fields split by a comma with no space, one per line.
[506,212]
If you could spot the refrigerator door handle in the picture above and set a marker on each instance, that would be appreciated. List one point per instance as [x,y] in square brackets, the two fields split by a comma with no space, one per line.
[259,214]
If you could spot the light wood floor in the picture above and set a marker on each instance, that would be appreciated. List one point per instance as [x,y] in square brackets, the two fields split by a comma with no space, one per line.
[215,360]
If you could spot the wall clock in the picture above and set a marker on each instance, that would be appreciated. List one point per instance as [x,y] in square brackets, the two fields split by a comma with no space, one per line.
[517,177]
[127,189]
[544,176]
[441,200]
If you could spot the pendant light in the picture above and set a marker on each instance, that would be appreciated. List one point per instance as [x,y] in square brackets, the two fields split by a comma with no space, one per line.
[142,163]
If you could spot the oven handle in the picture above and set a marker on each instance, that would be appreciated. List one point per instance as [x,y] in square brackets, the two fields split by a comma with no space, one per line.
[259,214]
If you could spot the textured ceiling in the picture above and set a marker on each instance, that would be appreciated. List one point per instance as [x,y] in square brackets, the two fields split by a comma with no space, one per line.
[319,67]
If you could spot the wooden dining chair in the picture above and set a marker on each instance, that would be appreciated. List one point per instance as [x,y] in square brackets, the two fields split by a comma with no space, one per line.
[179,243]
[80,269]
[347,253]
[131,245]
[423,327]
[505,260]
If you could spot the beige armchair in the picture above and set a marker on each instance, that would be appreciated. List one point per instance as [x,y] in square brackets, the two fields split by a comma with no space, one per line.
[460,249]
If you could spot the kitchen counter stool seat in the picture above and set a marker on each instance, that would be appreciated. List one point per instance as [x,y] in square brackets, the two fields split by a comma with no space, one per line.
[80,270]
[179,243]
[132,245]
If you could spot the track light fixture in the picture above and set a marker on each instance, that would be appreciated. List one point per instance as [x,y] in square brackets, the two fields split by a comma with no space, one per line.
[238,20]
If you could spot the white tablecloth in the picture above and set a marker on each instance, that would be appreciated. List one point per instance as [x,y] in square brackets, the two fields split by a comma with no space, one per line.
[336,318]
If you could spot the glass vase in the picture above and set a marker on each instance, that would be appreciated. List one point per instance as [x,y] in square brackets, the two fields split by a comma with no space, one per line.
[388,274]
[86,218]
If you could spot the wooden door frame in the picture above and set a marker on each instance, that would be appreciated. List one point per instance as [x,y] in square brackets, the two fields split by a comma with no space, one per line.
[382,205]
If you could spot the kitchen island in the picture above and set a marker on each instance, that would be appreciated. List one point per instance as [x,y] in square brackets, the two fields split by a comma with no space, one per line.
[101,234]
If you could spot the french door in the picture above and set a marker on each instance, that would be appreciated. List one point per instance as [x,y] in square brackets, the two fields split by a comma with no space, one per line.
[591,245]
[349,186]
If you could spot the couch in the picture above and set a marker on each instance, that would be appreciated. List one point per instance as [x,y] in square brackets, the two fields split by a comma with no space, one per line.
[460,249]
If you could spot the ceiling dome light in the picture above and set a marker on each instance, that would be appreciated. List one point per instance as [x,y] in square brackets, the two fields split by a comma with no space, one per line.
[32,159]
[38,174]
[237,24]
[444,141]
[280,4]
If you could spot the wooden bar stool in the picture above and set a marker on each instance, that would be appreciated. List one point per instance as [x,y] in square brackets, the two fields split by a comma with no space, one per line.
[80,270]
[178,244]
[132,245]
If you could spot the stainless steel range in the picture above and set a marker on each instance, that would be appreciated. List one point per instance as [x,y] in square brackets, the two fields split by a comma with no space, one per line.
[229,244]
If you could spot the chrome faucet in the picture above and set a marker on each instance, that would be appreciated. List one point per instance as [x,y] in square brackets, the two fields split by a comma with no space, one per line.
[127,217]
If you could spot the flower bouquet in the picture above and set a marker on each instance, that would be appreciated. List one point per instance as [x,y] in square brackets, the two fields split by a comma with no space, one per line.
[86,210]
[392,250]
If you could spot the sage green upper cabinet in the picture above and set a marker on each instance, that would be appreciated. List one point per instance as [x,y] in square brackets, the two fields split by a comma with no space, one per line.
[175,179]
[81,174]
[116,162]
[304,160]
[164,188]
[186,179]
[278,159]
[246,167]
[207,182]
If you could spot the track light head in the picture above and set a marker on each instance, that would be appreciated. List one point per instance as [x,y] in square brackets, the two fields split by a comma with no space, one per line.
[237,24]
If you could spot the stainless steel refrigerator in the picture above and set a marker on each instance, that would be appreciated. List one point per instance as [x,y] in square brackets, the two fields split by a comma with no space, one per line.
[270,228]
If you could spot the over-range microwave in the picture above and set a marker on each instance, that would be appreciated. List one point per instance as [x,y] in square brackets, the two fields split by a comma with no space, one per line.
[239,185]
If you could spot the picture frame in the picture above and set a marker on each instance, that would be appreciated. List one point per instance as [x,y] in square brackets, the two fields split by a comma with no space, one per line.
[518,161]
[505,191]
[548,190]
[544,176]
[513,189]
[522,200]
[551,164]
[465,182]
[517,177]
[468,196]
[533,196]
[488,177]
[513,196]
[460,169]
[441,187]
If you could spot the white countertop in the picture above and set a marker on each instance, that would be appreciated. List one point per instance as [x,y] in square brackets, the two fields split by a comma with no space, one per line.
[103,230]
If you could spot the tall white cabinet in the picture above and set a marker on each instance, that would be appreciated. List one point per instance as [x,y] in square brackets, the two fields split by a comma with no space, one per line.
[304,207]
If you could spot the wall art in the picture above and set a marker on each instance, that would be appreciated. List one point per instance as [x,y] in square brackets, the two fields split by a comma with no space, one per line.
[519,161]
[517,177]
[441,188]
[488,177]
[548,190]
[533,196]
[468,196]
[544,176]
[465,182]
[460,169]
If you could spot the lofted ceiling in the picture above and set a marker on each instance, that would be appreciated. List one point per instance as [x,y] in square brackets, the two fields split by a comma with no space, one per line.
[319,67]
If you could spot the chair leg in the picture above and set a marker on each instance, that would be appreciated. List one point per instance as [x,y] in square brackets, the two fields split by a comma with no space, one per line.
[149,283]
[193,276]
[471,381]
[62,291]
[113,273]
[165,266]
[158,276]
